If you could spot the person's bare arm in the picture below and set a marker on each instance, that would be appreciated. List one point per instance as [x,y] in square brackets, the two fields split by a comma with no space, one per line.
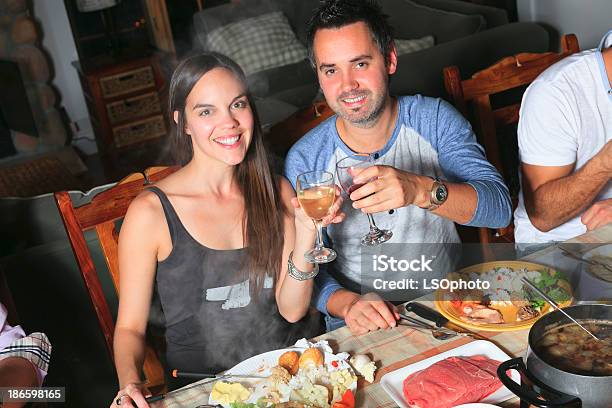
[17,372]
[293,296]
[553,194]
[138,245]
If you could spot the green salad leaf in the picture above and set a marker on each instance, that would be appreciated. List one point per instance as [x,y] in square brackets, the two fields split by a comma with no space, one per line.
[242,405]
[538,304]
[549,284]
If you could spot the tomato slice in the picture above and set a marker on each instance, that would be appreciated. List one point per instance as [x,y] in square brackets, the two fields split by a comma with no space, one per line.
[348,398]
[456,303]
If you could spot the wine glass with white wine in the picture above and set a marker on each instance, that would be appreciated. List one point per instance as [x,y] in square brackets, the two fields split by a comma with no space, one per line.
[316,193]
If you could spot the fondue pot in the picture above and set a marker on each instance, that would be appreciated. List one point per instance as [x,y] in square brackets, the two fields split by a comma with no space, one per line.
[544,385]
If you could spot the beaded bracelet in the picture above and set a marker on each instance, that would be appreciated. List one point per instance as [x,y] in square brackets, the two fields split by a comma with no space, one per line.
[296,274]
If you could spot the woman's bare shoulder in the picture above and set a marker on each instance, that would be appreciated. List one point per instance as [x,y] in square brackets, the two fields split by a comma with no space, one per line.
[148,204]
[145,208]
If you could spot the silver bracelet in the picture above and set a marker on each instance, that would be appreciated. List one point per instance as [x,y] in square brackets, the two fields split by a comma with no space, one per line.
[296,274]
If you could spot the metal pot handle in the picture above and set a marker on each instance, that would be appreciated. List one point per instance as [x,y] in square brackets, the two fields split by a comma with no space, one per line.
[526,393]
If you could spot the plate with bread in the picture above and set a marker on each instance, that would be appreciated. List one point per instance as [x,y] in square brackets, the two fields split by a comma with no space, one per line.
[306,375]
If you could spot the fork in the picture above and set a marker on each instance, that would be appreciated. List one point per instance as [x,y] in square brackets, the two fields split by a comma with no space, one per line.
[572,254]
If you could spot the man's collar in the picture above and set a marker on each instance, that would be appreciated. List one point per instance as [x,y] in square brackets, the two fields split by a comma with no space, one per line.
[607,58]
[357,139]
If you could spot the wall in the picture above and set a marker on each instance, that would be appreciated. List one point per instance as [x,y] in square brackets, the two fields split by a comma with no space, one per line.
[58,41]
[588,19]
[20,42]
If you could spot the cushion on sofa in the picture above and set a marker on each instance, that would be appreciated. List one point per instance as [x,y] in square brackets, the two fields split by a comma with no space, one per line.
[493,16]
[258,43]
[298,12]
[408,46]
[412,20]
[208,20]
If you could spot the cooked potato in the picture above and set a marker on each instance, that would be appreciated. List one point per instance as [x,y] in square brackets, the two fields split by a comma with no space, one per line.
[290,361]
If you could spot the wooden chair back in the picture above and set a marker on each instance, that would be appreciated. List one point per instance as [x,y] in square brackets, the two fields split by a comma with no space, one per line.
[510,73]
[283,135]
[101,215]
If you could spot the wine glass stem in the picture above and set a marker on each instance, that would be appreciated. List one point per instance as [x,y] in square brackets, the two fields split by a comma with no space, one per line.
[373,226]
[319,240]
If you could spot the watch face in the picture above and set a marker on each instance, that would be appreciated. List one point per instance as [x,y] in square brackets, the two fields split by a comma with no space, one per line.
[441,194]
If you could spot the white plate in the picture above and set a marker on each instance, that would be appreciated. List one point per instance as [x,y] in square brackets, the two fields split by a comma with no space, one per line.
[261,364]
[477,405]
[392,382]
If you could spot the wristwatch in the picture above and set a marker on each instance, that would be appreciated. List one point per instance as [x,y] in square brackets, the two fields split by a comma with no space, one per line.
[438,194]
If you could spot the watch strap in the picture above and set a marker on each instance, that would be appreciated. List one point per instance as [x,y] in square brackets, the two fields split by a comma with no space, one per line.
[434,203]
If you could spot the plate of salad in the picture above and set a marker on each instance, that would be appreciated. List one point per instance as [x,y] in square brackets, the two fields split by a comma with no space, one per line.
[492,297]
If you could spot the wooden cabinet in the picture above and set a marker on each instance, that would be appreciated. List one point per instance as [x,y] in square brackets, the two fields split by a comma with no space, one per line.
[113,31]
[159,25]
[124,102]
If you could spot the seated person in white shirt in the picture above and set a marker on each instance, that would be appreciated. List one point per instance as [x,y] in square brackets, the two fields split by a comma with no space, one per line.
[565,147]
[24,360]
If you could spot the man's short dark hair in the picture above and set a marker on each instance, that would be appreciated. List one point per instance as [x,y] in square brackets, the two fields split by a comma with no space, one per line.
[339,13]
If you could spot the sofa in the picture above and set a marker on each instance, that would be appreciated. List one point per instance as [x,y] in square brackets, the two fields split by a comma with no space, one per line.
[440,33]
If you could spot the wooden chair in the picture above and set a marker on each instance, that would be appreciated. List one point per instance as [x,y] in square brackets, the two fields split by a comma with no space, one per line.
[283,135]
[510,74]
[101,215]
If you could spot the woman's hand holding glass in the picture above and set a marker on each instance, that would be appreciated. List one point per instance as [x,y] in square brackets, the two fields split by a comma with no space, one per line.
[317,197]
[304,223]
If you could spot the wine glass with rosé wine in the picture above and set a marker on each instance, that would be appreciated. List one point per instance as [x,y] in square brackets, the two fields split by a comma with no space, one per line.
[346,169]
[316,192]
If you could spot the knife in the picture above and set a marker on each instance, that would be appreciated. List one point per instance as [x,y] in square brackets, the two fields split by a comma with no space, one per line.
[160,397]
[182,374]
[437,318]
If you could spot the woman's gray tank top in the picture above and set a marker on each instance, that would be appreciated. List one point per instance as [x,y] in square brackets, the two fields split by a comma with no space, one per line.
[212,321]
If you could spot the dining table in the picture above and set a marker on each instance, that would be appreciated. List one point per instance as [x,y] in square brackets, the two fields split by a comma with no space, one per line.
[397,347]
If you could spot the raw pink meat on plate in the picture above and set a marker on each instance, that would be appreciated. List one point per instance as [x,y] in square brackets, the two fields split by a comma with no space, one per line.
[452,381]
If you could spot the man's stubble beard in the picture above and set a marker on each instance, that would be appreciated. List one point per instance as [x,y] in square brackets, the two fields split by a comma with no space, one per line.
[369,120]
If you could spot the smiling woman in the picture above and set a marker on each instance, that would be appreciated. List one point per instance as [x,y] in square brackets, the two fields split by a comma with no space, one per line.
[219,119]
[213,240]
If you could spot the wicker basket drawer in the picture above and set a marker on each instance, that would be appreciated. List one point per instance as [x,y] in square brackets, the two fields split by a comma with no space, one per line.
[127,82]
[138,106]
[138,131]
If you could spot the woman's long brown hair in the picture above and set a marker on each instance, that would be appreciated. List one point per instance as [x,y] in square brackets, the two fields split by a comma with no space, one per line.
[262,223]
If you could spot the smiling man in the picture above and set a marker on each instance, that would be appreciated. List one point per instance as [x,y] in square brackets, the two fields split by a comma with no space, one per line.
[430,170]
